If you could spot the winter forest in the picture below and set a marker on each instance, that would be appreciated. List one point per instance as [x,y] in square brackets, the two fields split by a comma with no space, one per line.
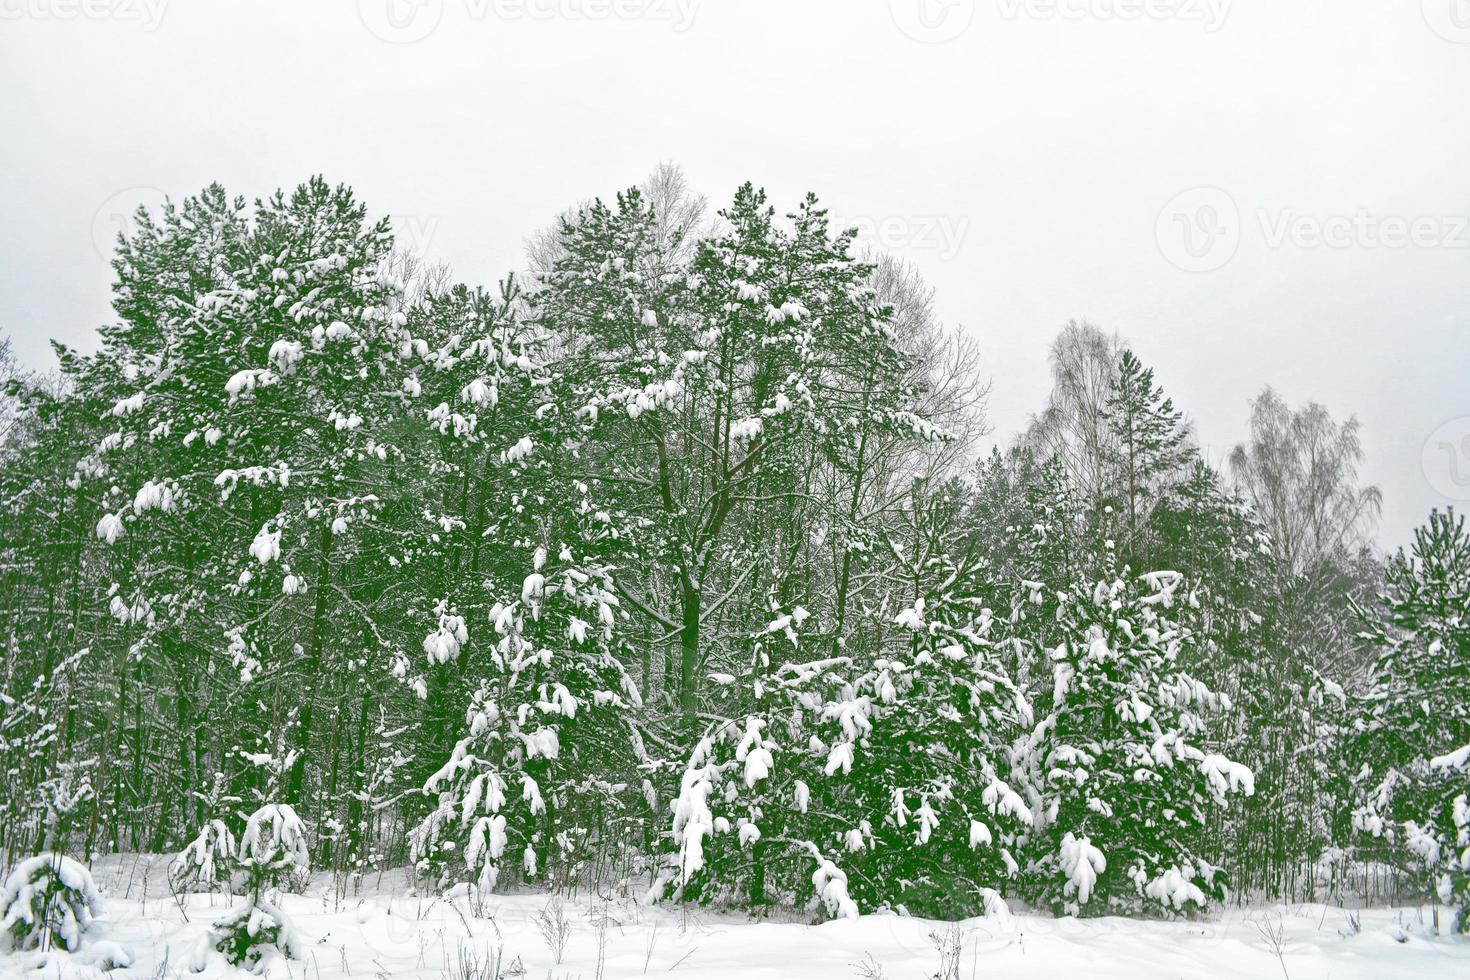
[676,569]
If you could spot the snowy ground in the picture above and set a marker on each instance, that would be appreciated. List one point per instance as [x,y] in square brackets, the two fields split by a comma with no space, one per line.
[387,933]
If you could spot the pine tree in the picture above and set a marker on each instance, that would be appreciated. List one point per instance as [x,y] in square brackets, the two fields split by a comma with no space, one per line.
[1121,756]
[1419,720]
[1151,442]
[546,766]
[47,901]
[885,780]
[525,642]
[718,387]
[271,849]
[953,825]
[257,369]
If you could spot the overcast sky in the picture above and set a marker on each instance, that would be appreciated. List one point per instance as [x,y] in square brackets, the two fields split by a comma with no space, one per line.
[1252,192]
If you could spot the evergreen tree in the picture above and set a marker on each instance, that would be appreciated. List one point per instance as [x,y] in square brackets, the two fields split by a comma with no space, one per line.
[880,786]
[718,386]
[1150,442]
[1419,719]
[1121,757]
[663,566]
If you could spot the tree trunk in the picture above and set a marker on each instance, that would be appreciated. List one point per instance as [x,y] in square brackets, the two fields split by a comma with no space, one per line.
[310,670]
[690,597]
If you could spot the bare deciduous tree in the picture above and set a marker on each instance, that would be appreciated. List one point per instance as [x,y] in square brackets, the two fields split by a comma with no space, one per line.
[1299,470]
[1073,428]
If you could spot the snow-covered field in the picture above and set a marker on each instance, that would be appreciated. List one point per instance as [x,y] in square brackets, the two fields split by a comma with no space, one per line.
[388,932]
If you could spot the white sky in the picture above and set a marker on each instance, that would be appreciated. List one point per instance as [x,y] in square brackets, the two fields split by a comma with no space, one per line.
[1026,163]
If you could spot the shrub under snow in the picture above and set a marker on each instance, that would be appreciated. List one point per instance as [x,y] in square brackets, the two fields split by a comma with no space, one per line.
[206,861]
[251,937]
[48,900]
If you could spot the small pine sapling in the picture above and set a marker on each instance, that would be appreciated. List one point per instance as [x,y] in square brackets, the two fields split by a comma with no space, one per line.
[208,861]
[272,848]
[48,901]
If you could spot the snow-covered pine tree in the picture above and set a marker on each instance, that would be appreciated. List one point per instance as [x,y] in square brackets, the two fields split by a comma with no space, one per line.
[525,636]
[718,387]
[253,369]
[155,559]
[478,395]
[1150,443]
[948,840]
[205,862]
[541,782]
[305,417]
[1122,756]
[616,298]
[764,806]
[47,900]
[208,860]
[272,847]
[845,784]
[1419,719]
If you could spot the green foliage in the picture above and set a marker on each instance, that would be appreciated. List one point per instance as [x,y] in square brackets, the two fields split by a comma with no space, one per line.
[47,901]
[659,562]
[1150,441]
[252,938]
[1419,719]
[1121,757]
